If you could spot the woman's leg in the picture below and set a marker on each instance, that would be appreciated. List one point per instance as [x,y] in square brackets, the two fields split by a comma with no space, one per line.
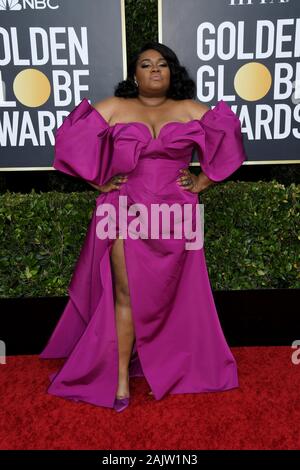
[125,326]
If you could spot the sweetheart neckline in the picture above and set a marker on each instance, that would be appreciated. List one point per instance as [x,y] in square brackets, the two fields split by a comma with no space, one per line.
[143,124]
[140,123]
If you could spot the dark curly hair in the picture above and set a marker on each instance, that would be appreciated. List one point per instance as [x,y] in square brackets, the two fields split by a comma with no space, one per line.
[182,86]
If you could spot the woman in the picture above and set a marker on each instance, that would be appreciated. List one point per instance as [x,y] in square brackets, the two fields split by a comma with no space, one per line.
[143,306]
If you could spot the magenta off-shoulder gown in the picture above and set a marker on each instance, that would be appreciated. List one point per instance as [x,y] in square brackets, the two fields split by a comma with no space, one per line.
[179,343]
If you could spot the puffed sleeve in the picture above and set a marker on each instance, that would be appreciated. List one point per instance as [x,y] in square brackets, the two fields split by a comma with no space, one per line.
[83,145]
[221,149]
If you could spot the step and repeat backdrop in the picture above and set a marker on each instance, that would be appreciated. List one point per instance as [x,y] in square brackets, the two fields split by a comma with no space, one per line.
[247,53]
[52,54]
[55,52]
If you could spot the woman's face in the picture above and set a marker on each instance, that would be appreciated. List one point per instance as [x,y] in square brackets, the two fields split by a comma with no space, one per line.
[152,73]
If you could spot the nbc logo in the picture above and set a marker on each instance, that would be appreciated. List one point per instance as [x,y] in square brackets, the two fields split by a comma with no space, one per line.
[17,5]
[10,5]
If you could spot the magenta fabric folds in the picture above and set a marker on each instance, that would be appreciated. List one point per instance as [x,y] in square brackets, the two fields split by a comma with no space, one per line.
[179,345]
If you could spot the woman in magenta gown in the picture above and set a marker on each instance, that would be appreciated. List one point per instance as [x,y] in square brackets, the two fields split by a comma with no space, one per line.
[178,344]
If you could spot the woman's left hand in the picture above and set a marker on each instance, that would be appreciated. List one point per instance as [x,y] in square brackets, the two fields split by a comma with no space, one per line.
[189,181]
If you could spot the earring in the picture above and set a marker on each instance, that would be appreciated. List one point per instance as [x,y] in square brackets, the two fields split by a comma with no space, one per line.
[135,82]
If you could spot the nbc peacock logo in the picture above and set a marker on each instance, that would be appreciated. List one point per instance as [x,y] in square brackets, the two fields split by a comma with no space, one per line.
[18,5]
[10,5]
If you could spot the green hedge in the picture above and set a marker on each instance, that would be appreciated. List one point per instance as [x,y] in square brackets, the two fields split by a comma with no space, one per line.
[141,17]
[252,233]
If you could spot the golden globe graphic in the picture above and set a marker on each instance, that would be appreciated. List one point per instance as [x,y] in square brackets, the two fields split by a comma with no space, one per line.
[252,81]
[32,88]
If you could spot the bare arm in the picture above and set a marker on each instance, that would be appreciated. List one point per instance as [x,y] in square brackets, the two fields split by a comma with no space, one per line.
[204,181]
[106,107]
[95,186]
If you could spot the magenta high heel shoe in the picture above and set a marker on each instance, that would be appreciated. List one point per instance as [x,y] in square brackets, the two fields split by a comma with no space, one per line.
[121,403]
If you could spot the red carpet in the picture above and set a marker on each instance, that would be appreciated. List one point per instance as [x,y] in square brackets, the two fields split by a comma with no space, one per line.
[264,413]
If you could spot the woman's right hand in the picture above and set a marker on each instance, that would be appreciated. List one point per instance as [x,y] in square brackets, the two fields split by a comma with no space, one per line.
[113,183]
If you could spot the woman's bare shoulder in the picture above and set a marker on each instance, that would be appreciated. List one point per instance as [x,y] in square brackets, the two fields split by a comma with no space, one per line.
[196,109]
[107,106]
